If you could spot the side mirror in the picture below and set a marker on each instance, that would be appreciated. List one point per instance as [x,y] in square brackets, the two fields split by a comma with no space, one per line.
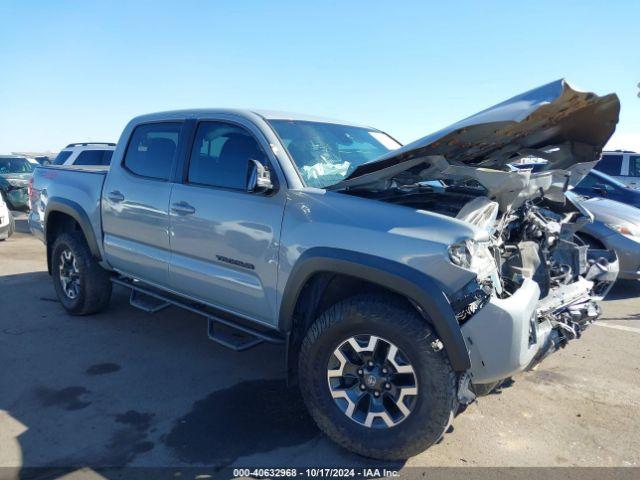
[259,178]
[600,189]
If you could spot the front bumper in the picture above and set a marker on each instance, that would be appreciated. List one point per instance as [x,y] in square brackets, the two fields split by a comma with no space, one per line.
[498,336]
[628,252]
[4,230]
[512,334]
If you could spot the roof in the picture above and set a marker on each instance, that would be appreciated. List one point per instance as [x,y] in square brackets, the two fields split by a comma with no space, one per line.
[249,114]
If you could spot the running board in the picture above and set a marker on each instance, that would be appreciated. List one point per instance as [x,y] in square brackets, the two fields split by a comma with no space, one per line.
[223,331]
[146,303]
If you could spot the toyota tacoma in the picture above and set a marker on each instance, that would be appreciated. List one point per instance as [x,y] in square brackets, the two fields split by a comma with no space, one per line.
[403,281]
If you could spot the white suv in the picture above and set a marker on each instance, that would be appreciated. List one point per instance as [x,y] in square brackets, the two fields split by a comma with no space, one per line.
[623,165]
[88,153]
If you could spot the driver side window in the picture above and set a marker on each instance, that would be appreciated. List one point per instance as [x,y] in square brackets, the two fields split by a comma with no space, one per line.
[220,155]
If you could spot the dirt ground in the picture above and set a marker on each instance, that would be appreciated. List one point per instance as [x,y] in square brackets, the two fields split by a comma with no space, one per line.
[128,388]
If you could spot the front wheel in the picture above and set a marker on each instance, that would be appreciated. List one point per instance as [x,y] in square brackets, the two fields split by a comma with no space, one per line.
[375,378]
[82,286]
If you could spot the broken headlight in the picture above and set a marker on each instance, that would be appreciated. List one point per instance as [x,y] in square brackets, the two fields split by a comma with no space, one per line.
[474,256]
[461,254]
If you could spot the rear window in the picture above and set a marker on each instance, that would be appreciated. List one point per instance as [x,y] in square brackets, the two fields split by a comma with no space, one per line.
[610,164]
[94,157]
[152,149]
[61,157]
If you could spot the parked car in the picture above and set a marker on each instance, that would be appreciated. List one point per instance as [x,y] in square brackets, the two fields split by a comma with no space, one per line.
[14,177]
[623,165]
[396,303]
[7,223]
[598,184]
[42,160]
[616,227]
[89,153]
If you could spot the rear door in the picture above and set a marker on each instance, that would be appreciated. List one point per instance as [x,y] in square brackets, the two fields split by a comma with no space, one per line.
[224,240]
[135,205]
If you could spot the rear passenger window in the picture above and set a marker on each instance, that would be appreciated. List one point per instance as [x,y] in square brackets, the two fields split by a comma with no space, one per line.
[610,164]
[152,149]
[220,155]
[94,157]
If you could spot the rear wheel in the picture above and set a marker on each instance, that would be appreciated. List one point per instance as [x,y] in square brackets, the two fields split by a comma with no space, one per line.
[375,378]
[82,286]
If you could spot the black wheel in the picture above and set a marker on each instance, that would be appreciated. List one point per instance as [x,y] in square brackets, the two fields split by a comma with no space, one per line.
[82,286]
[375,378]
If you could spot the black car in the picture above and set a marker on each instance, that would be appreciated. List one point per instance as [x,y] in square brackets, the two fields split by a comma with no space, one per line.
[598,184]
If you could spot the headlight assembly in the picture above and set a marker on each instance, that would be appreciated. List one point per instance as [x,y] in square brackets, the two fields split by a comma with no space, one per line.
[474,256]
[628,230]
[460,253]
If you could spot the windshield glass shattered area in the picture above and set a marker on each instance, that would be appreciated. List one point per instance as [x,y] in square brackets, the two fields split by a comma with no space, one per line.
[326,153]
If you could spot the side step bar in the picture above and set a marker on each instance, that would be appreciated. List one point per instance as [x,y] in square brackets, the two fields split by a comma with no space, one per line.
[223,331]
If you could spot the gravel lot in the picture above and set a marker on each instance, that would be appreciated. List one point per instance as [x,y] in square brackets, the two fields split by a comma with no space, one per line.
[128,388]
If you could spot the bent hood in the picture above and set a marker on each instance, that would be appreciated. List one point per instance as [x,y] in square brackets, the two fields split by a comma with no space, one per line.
[564,126]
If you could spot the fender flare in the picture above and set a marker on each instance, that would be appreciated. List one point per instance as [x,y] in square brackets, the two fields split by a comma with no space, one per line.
[417,286]
[75,211]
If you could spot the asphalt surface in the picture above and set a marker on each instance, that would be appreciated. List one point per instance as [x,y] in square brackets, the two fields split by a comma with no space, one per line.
[129,388]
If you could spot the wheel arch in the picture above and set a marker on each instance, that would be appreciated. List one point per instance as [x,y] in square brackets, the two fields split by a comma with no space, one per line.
[317,268]
[64,215]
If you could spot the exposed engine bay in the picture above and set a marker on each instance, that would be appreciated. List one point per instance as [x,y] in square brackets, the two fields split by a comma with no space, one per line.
[534,282]
[530,236]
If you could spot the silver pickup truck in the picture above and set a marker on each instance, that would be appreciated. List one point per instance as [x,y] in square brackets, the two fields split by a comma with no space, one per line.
[403,281]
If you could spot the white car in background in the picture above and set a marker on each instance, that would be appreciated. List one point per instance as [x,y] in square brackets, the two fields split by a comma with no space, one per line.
[87,153]
[7,224]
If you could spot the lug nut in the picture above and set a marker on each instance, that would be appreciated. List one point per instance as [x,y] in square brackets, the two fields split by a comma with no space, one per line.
[385,370]
[362,386]
[360,372]
[376,394]
[387,386]
[370,363]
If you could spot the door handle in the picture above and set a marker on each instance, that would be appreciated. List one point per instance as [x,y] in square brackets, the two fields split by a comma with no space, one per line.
[182,208]
[115,196]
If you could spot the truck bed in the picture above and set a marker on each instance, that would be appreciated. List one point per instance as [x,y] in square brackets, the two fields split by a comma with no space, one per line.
[77,185]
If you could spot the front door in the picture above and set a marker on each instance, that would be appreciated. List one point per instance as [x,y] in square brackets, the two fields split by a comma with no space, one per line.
[135,206]
[224,240]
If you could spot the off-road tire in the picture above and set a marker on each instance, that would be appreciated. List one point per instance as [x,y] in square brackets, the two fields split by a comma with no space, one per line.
[396,321]
[94,285]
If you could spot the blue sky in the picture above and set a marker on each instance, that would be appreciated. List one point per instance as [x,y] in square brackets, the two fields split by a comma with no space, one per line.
[79,70]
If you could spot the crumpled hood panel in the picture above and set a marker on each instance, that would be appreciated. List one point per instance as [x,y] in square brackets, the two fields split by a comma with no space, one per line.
[554,115]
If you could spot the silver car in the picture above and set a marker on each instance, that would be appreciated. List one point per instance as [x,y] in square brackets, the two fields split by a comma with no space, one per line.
[616,226]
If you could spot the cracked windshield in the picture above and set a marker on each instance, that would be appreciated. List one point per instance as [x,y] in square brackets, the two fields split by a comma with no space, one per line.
[327,153]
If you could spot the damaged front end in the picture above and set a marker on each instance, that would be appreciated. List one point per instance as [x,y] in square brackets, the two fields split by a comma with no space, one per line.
[548,286]
[536,284]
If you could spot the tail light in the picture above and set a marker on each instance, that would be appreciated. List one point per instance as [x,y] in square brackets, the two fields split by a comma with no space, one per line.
[30,188]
